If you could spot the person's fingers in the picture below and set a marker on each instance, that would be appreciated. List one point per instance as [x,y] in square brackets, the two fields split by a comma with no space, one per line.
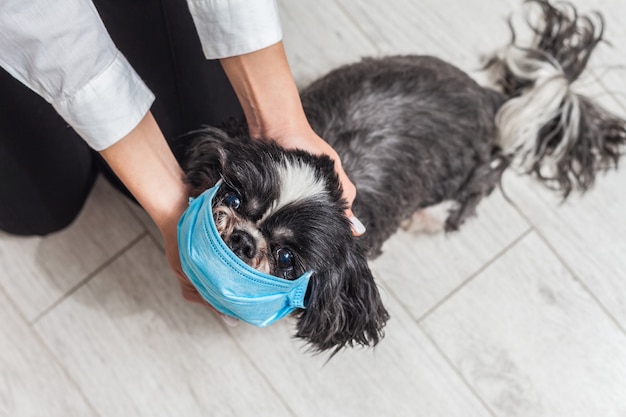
[313,143]
[358,228]
[230,321]
[349,194]
[192,295]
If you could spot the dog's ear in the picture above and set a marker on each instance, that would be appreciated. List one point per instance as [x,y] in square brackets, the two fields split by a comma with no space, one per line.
[344,307]
[202,154]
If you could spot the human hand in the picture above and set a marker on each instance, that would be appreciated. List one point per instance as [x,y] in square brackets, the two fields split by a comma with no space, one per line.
[169,231]
[144,162]
[269,96]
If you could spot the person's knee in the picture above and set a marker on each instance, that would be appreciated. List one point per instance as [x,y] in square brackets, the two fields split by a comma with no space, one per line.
[39,208]
[37,224]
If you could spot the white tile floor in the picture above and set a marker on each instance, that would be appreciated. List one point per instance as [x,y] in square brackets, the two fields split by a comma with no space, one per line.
[522,313]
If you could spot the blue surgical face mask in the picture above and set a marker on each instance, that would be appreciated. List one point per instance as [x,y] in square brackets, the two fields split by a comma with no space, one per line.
[225,281]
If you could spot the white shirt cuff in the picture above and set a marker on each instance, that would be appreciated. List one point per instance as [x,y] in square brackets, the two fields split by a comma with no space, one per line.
[234,27]
[108,107]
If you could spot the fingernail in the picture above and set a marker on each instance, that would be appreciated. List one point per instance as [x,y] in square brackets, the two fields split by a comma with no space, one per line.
[357,226]
[230,321]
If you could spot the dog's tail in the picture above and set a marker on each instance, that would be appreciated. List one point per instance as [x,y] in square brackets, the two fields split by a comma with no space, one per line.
[545,127]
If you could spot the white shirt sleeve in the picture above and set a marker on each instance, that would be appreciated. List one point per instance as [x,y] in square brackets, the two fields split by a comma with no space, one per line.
[234,27]
[61,50]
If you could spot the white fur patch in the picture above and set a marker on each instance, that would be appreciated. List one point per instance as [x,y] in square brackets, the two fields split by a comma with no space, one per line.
[521,119]
[297,182]
[431,219]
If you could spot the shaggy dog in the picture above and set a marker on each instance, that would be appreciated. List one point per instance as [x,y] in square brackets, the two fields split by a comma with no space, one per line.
[413,133]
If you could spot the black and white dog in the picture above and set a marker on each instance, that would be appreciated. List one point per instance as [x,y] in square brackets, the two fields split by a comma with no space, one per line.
[413,132]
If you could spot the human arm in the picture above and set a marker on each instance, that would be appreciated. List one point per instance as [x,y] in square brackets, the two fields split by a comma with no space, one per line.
[269,96]
[246,37]
[77,68]
[145,164]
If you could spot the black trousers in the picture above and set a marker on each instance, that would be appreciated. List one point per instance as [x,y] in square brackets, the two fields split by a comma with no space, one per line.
[47,170]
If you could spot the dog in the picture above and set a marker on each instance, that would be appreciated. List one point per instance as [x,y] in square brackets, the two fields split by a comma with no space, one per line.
[413,133]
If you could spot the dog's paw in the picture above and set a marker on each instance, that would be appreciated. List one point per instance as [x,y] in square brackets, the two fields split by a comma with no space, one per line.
[431,219]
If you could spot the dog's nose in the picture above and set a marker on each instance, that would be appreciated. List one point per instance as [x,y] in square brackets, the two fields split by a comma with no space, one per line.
[242,244]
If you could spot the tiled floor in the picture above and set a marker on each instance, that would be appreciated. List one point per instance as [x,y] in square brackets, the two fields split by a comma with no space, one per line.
[522,313]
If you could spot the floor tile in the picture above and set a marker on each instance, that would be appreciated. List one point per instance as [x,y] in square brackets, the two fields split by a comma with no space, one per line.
[318,37]
[38,271]
[532,341]
[128,335]
[147,222]
[402,376]
[448,29]
[32,383]
[523,311]
[421,270]
[587,232]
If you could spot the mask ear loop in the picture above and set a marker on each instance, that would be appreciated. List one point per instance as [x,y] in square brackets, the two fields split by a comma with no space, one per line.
[309,294]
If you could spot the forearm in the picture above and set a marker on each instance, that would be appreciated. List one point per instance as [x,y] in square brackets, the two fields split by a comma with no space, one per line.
[65,55]
[271,102]
[267,92]
[146,165]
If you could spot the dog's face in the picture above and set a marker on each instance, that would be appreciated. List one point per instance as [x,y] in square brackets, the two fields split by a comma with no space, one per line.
[282,213]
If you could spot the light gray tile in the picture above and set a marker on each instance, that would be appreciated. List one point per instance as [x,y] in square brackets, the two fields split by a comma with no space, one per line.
[588,232]
[403,376]
[527,346]
[32,383]
[449,29]
[531,341]
[38,271]
[137,349]
[147,222]
[421,270]
[605,78]
[319,36]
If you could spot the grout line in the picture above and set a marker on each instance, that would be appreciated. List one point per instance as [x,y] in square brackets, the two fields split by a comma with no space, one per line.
[471,277]
[30,325]
[420,321]
[570,270]
[132,207]
[156,242]
[617,96]
[42,343]
[82,282]
[584,286]
[262,374]
[358,26]
[14,304]
[65,371]
[467,383]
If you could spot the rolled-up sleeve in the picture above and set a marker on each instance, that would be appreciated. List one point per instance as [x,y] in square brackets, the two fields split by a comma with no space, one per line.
[62,51]
[235,27]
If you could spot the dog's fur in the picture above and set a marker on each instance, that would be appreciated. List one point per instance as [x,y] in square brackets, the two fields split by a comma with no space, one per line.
[412,132]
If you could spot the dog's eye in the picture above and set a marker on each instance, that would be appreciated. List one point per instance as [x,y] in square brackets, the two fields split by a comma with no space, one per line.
[285,259]
[232,200]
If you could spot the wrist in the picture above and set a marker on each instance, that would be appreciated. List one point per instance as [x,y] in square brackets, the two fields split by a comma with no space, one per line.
[267,92]
[145,164]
